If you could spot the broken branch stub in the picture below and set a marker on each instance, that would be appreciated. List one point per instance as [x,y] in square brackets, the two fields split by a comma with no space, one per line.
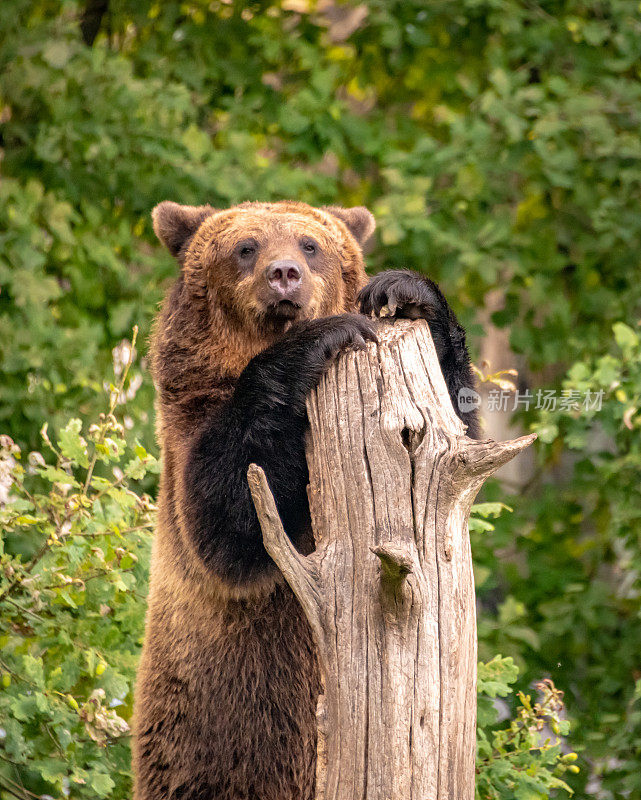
[389,591]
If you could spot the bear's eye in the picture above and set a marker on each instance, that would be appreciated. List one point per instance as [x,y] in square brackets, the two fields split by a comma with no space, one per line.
[308,246]
[247,249]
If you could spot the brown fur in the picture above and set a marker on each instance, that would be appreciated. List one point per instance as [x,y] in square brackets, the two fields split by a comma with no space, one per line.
[228,681]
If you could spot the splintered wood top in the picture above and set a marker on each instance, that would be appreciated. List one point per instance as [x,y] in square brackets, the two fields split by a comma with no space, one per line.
[390,330]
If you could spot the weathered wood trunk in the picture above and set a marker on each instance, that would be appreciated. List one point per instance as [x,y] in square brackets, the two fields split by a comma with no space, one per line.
[389,591]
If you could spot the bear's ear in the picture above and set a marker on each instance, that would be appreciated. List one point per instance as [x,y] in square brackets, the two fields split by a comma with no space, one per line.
[174,224]
[359,220]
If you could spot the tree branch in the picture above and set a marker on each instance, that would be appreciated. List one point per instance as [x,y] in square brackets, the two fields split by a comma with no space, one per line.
[91,19]
[298,570]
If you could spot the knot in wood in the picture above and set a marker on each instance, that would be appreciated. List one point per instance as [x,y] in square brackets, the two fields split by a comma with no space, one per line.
[396,562]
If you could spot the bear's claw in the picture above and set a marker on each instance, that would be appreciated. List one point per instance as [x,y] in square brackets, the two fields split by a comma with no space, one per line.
[401,294]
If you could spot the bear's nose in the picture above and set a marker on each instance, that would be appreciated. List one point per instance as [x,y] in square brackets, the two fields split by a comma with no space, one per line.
[284,277]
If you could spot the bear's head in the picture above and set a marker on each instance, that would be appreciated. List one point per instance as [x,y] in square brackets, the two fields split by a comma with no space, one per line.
[247,274]
[269,264]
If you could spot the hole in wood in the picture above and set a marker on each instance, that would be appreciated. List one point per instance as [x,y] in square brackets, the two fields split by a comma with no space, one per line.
[412,439]
[406,434]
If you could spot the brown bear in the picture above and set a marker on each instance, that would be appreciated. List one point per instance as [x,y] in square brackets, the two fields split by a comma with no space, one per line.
[267,294]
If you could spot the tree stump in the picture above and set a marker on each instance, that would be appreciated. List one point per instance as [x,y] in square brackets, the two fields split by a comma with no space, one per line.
[389,591]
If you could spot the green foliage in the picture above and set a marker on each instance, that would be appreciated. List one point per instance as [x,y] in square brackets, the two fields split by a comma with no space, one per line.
[482,512]
[567,599]
[73,579]
[523,761]
[498,145]
[625,731]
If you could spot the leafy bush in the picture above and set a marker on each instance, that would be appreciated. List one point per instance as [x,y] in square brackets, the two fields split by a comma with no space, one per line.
[523,761]
[73,579]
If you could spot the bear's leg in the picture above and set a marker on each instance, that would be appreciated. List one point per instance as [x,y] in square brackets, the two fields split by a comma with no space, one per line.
[226,701]
[264,422]
[407,294]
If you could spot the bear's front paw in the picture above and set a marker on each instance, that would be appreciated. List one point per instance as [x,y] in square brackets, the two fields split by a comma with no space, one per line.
[402,294]
[283,375]
[329,336]
[312,345]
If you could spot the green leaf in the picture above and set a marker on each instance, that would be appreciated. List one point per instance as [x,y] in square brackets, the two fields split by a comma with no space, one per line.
[489,509]
[480,525]
[196,141]
[626,337]
[56,53]
[55,475]
[72,445]
[101,784]
[495,676]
